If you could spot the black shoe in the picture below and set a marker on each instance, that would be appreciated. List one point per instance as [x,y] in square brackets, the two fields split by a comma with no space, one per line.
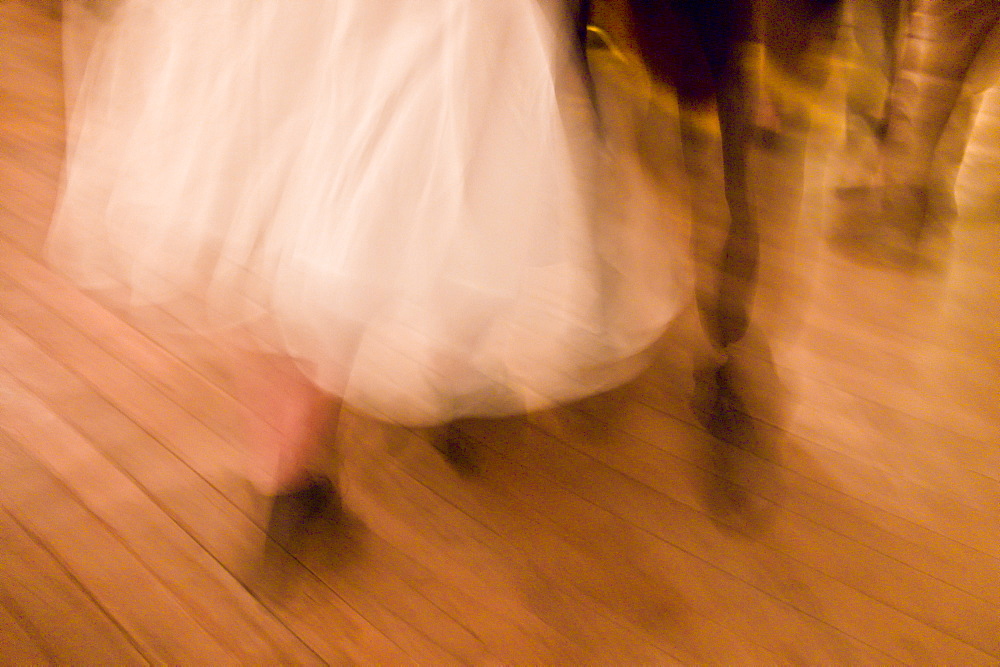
[292,513]
[459,449]
[292,516]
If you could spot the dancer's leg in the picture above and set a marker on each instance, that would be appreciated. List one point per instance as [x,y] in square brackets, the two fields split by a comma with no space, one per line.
[944,38]
[287,421]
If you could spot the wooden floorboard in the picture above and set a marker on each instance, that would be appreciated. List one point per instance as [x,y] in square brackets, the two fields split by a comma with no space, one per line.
[603,532]
[53,609]
[159,624]
[17,645]
[793,535]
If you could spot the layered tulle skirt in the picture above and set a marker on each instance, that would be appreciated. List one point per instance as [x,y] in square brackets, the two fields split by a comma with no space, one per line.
[412,198]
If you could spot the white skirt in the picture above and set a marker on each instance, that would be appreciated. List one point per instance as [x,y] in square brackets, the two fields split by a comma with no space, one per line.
[409,197]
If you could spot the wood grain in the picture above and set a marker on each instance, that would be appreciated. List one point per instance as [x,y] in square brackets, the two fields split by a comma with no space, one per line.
[859,526]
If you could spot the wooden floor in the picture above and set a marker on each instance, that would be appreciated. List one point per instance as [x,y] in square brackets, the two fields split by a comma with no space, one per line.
[599,533]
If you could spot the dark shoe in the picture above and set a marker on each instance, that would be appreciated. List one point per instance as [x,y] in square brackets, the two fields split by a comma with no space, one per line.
[459,448]
[719,408]
[292,516]
[291,513]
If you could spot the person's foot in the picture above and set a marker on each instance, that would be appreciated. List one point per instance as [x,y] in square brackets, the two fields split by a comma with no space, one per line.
[458,448]
[291,520]
[738,402]
[720,409]
[293,512]
[292,517]
[889,228]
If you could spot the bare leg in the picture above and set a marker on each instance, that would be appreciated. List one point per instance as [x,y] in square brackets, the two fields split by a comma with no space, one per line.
[288,426]
[287,423]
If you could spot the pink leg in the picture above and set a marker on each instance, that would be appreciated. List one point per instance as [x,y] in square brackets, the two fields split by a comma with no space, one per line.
[286,421]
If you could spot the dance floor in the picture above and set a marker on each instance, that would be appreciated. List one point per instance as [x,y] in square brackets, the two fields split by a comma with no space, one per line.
[860,526]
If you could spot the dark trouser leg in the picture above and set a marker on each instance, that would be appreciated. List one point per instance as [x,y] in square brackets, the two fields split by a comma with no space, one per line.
[724,231]
[944,37]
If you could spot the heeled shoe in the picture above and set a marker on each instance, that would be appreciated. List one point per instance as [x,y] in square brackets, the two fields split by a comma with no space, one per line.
[719,408]
[292,512]
[291,516]
[458,448]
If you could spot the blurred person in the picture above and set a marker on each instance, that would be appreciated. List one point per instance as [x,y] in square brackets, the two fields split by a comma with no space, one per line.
[395,205]
[871,31]
[924,65]
[708,52]
[700,48]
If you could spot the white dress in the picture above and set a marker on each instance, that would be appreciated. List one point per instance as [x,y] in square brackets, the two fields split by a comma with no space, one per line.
[409,197]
